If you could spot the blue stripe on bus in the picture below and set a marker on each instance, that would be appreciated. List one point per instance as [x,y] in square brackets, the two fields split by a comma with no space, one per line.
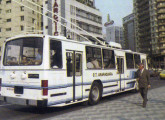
[58,86]
[111,91]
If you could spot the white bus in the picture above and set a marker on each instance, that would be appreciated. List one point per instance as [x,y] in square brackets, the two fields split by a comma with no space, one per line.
[43,71]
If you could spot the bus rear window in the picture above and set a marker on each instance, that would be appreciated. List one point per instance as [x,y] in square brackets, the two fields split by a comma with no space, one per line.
[23,52]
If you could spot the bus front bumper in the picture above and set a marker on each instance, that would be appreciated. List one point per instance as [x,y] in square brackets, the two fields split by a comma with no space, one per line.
[25,102]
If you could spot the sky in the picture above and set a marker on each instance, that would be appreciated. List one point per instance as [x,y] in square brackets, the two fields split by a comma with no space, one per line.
[116,8]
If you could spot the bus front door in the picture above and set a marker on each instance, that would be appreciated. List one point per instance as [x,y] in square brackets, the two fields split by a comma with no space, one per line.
[74,74]
[120,68]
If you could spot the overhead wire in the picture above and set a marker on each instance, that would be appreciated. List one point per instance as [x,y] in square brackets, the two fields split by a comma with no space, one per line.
[53,20]
[66,21]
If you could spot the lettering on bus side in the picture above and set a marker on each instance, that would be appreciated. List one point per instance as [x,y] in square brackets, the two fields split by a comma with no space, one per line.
[102,74]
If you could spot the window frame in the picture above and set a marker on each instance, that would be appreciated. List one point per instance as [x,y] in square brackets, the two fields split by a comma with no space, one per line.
[111,58]
[129,61]
[50,57]
[93,55]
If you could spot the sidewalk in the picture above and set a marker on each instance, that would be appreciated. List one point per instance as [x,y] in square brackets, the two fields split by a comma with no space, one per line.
[126,108]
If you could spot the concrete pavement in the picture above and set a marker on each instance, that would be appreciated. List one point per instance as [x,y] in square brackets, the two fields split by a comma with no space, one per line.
[128,107]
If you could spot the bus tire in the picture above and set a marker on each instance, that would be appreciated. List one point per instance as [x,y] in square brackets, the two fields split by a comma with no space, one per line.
[95,93]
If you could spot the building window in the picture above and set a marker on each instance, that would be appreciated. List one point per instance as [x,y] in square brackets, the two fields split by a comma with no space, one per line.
[8,20]
[22,27]
[46,2]
[8,1]
[22,8]
[22,18]
[0,30]
[8,29]
[33,20]
[8,11]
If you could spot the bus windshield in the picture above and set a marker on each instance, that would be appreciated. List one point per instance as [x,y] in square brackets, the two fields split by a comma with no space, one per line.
[24,52]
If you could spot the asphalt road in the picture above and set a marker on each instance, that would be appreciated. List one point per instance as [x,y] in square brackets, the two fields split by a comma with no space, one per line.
[15,112]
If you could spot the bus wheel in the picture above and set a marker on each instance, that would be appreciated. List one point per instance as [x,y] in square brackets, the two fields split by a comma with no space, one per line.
[95,93]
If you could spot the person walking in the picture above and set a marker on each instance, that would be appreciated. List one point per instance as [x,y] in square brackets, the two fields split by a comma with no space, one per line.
[143,78]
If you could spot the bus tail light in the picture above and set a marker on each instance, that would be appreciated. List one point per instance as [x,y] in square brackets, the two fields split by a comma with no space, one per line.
[0,83]
[44,85]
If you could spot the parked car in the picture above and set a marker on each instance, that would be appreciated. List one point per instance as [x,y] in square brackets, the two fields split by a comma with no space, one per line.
[162,74]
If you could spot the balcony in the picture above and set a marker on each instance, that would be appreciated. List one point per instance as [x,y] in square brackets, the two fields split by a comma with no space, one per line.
[162,53]
[89,4]
[162,41]
[161,11]
[162,47]
[160,0]
[161,17]
[161,23]
[161,5]
[162,36]
[161,29]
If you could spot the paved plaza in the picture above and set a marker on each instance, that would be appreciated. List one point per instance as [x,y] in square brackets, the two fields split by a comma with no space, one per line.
[128,107]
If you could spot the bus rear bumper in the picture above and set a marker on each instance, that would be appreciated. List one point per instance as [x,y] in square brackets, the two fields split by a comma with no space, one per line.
[25,102]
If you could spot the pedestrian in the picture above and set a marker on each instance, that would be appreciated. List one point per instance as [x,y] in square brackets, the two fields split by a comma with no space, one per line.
[143,78]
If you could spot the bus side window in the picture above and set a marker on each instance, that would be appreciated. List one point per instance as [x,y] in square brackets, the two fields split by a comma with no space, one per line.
[108,59]
[137,60]
[69,64]
[55,54]
[129,61]
[93,58]
[78,64]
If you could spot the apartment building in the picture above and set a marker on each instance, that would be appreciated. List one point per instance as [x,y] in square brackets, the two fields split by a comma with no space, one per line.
[160,31]
[78,14]
[142,25]
[17,19]
[129,32]
[150,30]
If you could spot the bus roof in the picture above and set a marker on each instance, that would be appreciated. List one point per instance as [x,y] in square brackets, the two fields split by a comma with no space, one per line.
[70,40]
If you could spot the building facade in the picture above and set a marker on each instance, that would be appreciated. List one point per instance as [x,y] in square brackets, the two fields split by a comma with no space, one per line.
[150,30]
[129,32]
[59,17]
[17,19]
[114,34]
[74,14]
